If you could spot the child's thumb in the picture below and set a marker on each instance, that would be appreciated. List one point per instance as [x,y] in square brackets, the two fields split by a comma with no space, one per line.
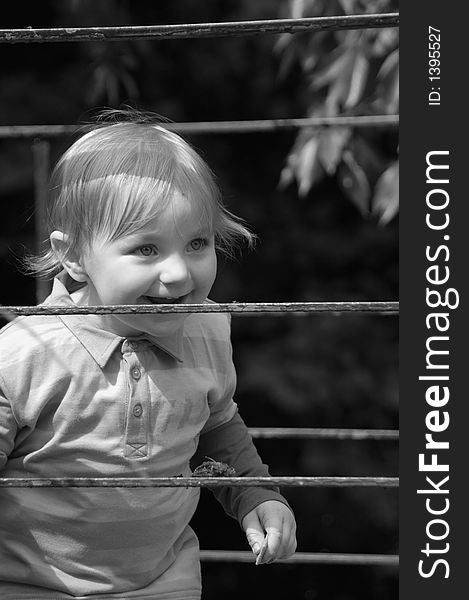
[254,531]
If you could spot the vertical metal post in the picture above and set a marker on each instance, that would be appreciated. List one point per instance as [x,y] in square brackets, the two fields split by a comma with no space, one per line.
[41,162]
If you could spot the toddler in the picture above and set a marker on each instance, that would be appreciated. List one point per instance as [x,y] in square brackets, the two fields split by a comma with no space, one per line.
[136,218]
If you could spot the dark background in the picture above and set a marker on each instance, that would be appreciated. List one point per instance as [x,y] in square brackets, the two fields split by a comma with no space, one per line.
[316,371]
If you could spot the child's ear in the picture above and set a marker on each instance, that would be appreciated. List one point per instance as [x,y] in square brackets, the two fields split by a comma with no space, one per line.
[70,258]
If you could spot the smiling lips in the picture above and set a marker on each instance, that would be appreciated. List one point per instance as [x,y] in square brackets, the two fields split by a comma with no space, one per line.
[155,300]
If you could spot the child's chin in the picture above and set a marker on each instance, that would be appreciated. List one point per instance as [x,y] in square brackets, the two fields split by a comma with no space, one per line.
[159,324]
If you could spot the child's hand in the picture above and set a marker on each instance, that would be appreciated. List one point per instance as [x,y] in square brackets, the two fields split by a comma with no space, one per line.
[271,531]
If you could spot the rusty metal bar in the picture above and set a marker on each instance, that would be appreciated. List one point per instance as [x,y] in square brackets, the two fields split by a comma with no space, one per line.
[228,307]
[154,482]
[305,558]
[41,166]
[214,127]
[324,433]
[198,30]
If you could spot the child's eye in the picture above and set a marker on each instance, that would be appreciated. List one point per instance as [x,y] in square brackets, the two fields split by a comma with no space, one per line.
[147,250]
[197,244]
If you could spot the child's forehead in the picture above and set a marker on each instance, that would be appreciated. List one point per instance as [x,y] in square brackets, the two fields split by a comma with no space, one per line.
[163,194]
[174,211]
[179,205]
[182,211]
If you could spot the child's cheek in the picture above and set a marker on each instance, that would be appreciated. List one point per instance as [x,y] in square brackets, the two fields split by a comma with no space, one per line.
[214,269]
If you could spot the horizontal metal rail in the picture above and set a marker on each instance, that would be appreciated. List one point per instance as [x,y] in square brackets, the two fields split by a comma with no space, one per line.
[213,127]
[225,307]
[305,558]
[198,30]
[322,433]
[154,482]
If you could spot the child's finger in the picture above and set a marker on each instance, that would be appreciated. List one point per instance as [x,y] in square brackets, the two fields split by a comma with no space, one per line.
[288,547]
[272,543]
[256,540]
[278,545]
[262,551]
[254,532]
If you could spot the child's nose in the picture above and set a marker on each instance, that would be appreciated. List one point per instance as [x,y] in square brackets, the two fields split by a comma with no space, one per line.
[174,270]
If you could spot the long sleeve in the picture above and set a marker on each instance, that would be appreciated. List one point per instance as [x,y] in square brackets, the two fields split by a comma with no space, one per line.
[231,443]
[8,429]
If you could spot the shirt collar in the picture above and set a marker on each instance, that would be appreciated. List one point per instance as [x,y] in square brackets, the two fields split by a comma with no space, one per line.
[101,344]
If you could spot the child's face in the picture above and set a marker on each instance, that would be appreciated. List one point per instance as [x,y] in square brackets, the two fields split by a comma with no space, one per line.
[170,260]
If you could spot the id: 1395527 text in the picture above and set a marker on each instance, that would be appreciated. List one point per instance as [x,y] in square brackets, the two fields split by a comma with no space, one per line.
[434,66]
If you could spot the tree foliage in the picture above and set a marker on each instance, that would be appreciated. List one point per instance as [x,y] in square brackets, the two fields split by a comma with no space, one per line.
[346,73]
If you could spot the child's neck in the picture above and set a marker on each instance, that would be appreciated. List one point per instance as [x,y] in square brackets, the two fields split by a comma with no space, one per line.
[159,326]
[81,297]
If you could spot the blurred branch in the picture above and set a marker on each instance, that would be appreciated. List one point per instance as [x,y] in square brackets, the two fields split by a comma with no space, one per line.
[345,73]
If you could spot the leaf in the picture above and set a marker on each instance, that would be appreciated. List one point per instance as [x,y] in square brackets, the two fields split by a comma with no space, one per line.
[354,183]
[305,170]
[347,76]
[302,164]
[284,41]
[349,7]
[311,8]
[385,203]
[331,145]
[385,40]
[332,71]
[390,64]
[358,77]
[389,78]
[286,176]
[392,94]
[297,9]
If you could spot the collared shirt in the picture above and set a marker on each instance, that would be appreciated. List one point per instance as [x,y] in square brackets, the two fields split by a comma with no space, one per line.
[76,401]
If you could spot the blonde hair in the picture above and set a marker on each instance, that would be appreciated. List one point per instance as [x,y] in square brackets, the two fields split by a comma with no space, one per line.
[119,176]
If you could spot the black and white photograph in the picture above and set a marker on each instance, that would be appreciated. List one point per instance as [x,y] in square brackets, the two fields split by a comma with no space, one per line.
[231,365]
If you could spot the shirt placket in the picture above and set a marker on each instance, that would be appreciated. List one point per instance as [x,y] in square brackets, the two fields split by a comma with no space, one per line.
[136,435]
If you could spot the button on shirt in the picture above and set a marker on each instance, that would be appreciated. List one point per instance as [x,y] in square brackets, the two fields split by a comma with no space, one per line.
[80,402]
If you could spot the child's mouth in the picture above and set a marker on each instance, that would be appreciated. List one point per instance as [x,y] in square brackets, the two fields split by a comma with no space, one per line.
[159,300]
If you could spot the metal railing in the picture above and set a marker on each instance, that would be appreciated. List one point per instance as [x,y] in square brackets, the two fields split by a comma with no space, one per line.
[198,30]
